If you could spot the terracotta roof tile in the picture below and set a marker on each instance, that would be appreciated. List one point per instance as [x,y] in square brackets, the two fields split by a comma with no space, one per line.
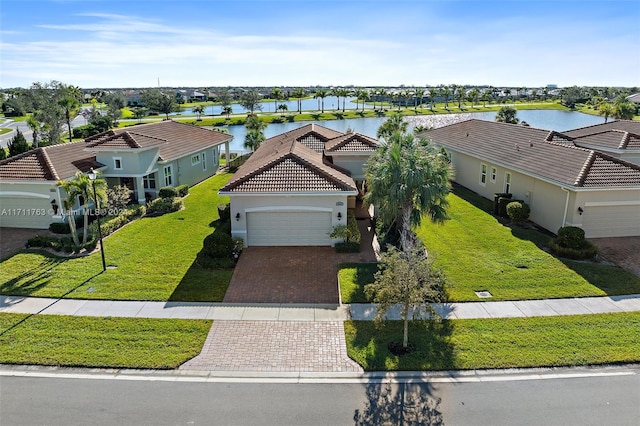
[622,125]
[529,150]
[352,142]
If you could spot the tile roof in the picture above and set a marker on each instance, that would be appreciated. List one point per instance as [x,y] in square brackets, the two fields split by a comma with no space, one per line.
[313,136]
[49,163]
[64,160]
[174,139]
[623,125]
[284,163]
[615,139]
[537,152]
[352,142]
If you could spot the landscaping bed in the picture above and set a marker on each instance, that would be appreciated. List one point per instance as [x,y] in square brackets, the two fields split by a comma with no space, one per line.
[498,343]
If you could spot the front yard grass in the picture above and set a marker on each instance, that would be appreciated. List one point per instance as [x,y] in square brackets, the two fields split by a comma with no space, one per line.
[478,252]
[151,259]
[100,342]
[498,343]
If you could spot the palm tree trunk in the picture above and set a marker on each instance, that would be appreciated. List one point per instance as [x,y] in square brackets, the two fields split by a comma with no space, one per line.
[72,226]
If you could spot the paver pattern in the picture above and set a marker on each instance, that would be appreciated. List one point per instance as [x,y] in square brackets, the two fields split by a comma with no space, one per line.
[276,346]
[623,251]
[293,274]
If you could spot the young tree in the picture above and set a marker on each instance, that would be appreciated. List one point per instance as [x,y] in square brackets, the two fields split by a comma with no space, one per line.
[251,101]
[408,178]
[224,97]
[507,114]
[158,101]
[406,278]
[321,94]
[276,95]
[115,102]
[362,95]
[17,144]
[44,99]
[34,125]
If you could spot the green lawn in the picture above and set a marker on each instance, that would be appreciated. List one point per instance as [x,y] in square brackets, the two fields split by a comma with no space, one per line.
[478,252]
[100,342]
[498,343]
[151,258]
[5,130]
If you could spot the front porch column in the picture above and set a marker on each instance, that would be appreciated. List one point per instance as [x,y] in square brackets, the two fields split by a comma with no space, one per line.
[140,190]
[226,152]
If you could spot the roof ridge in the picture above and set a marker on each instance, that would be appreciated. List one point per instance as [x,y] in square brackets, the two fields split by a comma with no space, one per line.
[564,145]
[49,165]
[584,171]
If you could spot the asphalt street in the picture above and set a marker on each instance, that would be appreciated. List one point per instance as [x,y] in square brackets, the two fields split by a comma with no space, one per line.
[568,397]
[28,134]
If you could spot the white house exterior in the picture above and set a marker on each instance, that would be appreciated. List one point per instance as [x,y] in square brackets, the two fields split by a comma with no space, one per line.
[143,157]
[297,186]
[563,183]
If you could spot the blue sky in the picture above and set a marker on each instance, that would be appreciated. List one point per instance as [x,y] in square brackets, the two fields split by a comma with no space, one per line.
[95,43]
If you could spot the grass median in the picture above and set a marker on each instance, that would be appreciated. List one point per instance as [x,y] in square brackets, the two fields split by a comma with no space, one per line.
[100,342]
[498,343]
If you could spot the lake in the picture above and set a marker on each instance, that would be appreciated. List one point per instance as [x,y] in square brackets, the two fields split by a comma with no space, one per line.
[542,119]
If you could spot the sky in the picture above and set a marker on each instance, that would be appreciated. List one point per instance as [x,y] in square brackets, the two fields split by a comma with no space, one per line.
[210,43]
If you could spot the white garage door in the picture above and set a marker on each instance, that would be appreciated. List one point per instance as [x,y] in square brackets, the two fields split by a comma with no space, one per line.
[611,221]
[288,228]
[17,212]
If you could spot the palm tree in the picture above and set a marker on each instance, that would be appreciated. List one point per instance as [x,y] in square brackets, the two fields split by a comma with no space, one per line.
[227,110]
[342,93]
[460,95]
[255,132]
[321,94]
[363,95]
[34,125]
[382,92]
[605,109]
[298,94]
[199,110]
[446,93]
[408,179]
[81,186]
[434,92]
[70,106]
[276,95]
[474,95]
[417,93]
[393,124]
[283,108]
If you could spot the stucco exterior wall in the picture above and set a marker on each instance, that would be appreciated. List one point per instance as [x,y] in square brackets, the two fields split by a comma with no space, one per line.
[244,204]
[353,163]
[28,205]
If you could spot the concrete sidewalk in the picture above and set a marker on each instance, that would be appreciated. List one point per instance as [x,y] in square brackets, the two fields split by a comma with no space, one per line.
[311,312]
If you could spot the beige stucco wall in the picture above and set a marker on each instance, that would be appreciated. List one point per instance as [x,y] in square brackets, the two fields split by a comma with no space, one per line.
[353,163]
[28,205]
[244,204]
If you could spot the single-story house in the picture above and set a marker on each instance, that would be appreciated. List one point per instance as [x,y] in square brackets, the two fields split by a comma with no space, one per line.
[564,183]
[297,186]
[144,158]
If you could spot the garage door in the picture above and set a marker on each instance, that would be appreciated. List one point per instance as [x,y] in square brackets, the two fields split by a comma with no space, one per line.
[17,212]
[611,221]
[288,228]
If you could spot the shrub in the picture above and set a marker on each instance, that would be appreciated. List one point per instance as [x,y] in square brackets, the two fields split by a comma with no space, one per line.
[112,224]
[224,212]
[571,243]
[518,211]
[161,206]
[118,197]
[218,244]
[44,241]
[168,192]
[277,120]
[347,247]
[183,190]
[59,228]
[350,232]
[502,206]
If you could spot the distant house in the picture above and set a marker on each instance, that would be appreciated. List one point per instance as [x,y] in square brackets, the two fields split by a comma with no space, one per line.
[297,186]
[563,177]
[143,157]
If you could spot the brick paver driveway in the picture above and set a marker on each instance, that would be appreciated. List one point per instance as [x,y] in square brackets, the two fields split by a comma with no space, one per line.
[293,274]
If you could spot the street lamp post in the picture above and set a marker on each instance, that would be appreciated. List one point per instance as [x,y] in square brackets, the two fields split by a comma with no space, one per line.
[92,178]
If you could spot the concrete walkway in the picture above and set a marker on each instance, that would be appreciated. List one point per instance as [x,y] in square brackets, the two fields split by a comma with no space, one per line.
[310,312]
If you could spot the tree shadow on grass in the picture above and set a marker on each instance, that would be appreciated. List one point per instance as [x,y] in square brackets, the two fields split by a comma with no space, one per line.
[410,404]
[32,279]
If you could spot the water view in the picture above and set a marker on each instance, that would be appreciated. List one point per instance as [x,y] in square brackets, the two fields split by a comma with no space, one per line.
[543,119]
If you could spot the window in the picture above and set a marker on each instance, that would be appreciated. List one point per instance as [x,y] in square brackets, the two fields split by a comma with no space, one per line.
[117,163]
[195,159]
[204,162]
[483,174]
[149,181]
[494,172]
[168,176]
[507,183]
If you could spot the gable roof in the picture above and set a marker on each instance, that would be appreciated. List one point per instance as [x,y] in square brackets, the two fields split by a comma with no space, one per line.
[536,152]
[63,161]
[352,142]
[312,136]
[285,163]
[174,139]
[50,163]
[622,134]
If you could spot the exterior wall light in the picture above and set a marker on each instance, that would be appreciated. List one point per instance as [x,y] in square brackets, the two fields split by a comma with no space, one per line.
[238,216]
[580,211]
[339,216]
